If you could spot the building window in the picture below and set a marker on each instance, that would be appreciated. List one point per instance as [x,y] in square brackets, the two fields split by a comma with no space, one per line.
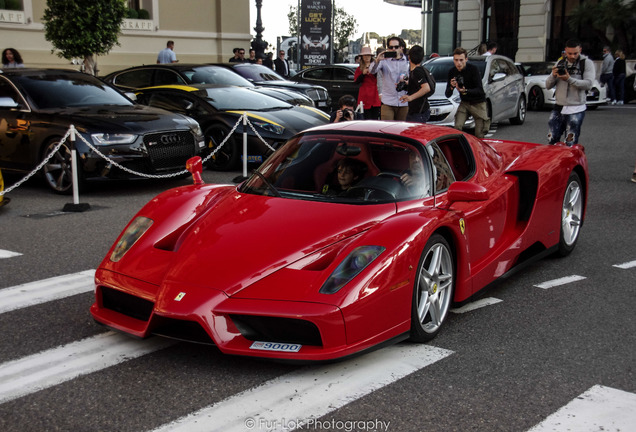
[140,9]
[560,30]
[11,5]
[501,25]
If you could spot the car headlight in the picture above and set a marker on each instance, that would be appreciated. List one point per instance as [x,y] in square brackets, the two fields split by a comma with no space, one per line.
[113,139]
[350,267]
[194,125]
[457,99]
[269,127]
[133,233]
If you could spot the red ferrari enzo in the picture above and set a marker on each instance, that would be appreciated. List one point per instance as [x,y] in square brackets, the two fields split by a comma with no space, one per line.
[350,236]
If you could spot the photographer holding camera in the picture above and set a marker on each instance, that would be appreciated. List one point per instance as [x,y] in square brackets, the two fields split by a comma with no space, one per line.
[345,111]
[572,77]
[465,77]
[394,67]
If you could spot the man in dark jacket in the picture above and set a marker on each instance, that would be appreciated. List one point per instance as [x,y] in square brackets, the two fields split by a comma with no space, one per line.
[281,65]
[466,78]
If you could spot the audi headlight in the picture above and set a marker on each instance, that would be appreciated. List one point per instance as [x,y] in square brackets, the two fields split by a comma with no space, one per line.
[194,125]
[133,233]
[269,127]
[350,267]
[113,139]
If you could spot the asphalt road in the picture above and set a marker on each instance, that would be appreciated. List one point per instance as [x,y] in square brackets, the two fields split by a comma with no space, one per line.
[502,367]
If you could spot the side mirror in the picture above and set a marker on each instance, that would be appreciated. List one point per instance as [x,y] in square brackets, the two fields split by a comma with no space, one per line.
[132,96]
[498,77]
[467,192]
[7,102]
[195,166]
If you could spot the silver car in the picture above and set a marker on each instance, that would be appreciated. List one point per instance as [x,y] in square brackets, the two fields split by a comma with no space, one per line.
[503,84]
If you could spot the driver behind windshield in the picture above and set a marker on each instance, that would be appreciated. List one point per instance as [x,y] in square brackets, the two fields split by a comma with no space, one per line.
[348,172]
[415,177]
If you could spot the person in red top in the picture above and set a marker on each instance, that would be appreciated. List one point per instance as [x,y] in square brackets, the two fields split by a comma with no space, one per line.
[368,93]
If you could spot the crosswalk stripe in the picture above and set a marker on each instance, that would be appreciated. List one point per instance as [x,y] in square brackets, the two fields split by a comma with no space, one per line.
[46,290]
[43,370]
[301,397]
[8,254]
[561,281]
[599,408]
[476,305]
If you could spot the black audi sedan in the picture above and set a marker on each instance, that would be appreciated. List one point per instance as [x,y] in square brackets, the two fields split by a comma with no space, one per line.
[37,107]
[185,74]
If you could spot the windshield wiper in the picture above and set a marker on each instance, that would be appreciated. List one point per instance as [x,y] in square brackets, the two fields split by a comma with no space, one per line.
[269,185]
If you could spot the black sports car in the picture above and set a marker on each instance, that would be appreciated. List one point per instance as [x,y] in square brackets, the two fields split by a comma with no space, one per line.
[183,74]
[37,107]
[265,77]
[218,109]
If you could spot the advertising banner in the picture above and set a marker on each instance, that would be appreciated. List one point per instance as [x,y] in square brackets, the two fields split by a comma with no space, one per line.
[315,33]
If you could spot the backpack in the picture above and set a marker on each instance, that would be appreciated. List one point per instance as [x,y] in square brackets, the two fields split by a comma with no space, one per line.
[430,80]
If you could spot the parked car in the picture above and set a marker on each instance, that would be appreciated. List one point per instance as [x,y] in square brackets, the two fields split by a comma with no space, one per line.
[263,76]
[218,109]
[183,73]
[380,262]
[37,107]
[502,82]
[336,78]
[3,200]
[539,97]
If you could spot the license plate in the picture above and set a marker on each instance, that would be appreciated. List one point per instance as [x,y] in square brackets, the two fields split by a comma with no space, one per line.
[275,346]
[435,111]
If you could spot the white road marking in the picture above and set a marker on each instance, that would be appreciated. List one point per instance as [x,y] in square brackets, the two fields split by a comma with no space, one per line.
[301,397]
[626,265]
[8,254]
[476,305]
[598,409]
[560,281]
[43,370]
[46,290]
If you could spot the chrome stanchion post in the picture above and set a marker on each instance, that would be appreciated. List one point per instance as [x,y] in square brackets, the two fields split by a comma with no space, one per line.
[76,206]
[245,145]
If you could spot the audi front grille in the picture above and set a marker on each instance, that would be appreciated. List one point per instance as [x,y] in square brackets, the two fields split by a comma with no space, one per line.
[170,150]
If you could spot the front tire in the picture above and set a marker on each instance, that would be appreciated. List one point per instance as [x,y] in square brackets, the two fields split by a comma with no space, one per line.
[571,215]
[58,173]
[433,289]
[228,157]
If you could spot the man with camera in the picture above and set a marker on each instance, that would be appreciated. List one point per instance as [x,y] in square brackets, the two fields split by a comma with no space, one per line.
[395,69]
[345,111]
[572,76]
[465,77]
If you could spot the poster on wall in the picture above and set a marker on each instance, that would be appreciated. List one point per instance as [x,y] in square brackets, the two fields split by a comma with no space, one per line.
[315,33]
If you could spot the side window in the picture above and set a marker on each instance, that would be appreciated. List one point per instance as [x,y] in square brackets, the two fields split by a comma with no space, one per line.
[458,156]
[7,91]
[167,77]
[341,74]
[318,74]
[134,79]
[442,172]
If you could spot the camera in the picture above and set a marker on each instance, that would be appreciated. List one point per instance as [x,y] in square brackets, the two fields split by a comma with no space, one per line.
[390,54]
[347,114]
[561,70]
[401,86]
[460,81]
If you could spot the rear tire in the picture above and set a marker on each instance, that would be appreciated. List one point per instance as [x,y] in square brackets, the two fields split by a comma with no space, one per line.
[535,99]
[521,113]
[571,215]
[433,289]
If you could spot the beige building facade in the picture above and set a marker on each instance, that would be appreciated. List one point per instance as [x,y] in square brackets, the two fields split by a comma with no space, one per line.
[203,31]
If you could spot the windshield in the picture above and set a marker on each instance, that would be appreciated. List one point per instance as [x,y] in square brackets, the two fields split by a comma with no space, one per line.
[69,90]
[542,68]
[345,168]
[215,75]
[241,99]
[439,68]
[257,72]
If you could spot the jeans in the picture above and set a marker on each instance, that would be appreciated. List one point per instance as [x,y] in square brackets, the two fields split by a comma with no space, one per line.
[419,117]
[568,123]
[619,82]
[608,79]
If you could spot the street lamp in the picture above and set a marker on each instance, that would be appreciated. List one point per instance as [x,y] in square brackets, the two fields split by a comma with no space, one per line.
[258,44]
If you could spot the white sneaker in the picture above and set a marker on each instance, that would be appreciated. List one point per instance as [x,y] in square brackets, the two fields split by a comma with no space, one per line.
[619,103]
[613,102]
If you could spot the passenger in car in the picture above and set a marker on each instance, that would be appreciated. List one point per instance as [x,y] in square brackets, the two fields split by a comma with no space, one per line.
[415,177]
[348,172]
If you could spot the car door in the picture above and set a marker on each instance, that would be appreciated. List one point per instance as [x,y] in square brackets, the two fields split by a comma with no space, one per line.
[343,83]
[16,151]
